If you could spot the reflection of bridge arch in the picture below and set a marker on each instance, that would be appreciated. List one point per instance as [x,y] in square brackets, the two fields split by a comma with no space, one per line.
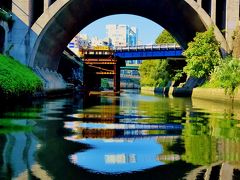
[64,19]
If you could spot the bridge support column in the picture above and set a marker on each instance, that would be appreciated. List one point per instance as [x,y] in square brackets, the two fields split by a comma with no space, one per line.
[199,2]
[232,21]
[47,3]
[116,78]
[91,81]
[213,10]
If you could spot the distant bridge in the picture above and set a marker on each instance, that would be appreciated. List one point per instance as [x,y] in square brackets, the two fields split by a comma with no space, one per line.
[142,52]
[161,51]
[107,63]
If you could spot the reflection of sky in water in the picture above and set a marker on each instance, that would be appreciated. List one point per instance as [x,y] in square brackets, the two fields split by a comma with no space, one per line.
[118,157]
[123,126]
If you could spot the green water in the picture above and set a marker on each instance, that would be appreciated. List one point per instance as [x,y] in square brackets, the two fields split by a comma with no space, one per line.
[131,136]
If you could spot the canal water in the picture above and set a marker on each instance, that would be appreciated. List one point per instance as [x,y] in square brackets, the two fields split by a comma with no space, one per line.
[131,136]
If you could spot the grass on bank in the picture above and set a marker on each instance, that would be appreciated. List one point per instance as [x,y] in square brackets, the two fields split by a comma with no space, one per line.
[16,79]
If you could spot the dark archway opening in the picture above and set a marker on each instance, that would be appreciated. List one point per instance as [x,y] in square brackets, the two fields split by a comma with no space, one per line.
[206,5]
[221,15]
[37,10]
[2,39]
[6,4]
[52,1]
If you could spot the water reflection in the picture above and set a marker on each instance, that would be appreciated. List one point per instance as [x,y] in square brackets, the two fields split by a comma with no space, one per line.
[110,156]
[122,140]
[128,137]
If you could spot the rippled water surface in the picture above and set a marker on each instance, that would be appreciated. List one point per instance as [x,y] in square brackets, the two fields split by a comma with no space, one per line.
[131,136]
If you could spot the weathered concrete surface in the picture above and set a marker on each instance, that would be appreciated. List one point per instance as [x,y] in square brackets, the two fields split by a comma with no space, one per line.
[64,19]
[21,37]
[213,94]
[232,20]
[168,91]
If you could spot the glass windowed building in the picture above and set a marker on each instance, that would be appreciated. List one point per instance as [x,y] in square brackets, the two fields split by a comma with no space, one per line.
[123,35]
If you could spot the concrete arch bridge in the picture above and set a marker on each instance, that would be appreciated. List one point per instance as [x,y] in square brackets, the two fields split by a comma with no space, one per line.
[43,28]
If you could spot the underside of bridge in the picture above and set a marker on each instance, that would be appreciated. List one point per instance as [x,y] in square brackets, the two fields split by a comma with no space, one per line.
[177,16]
[98,65]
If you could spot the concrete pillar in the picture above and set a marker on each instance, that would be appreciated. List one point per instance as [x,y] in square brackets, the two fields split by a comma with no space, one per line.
[116,84]
[47,3]
[22,9]
[199,2]
[226,172]
[20,37]
[213,10]
[232,19]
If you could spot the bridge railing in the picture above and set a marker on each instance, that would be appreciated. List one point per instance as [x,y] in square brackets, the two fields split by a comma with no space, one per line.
[148,47]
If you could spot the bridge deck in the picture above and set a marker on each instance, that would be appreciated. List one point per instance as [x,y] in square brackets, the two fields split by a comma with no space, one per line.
[162,51]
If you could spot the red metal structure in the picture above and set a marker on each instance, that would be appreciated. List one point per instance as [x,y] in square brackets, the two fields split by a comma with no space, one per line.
[101,64]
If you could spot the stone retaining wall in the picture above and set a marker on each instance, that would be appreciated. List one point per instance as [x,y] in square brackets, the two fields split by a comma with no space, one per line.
[201,93]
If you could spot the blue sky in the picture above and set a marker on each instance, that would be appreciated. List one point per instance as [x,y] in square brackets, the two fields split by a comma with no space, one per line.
[147,29]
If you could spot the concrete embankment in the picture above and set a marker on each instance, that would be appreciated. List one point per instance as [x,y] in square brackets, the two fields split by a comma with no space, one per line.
[214,94]
[168,91]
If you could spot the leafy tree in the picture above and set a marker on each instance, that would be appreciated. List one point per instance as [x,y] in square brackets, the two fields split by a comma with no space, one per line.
[202,54]
[157,72]
[147,70]
[165,37]
[227,76]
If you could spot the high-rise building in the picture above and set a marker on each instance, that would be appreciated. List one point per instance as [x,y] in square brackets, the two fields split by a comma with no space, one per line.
[122,35]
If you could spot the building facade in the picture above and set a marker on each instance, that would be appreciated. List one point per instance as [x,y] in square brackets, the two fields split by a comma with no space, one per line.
[122,35]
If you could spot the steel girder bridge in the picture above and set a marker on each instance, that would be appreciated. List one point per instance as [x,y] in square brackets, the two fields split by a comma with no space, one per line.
[106,63]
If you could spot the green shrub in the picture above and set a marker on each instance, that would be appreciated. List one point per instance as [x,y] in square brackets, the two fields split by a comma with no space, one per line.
[16,79]
[157,73]
[227,76]
[153,73]
[202,54]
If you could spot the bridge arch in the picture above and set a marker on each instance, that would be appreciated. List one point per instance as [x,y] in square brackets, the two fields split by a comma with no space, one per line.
[65,18]
[2,39]
[6,4]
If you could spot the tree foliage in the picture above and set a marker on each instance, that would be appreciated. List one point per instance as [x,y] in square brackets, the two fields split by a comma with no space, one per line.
[227,76]
[165,37]
[16,79]
[157,72]
[202,54]
[153,73]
